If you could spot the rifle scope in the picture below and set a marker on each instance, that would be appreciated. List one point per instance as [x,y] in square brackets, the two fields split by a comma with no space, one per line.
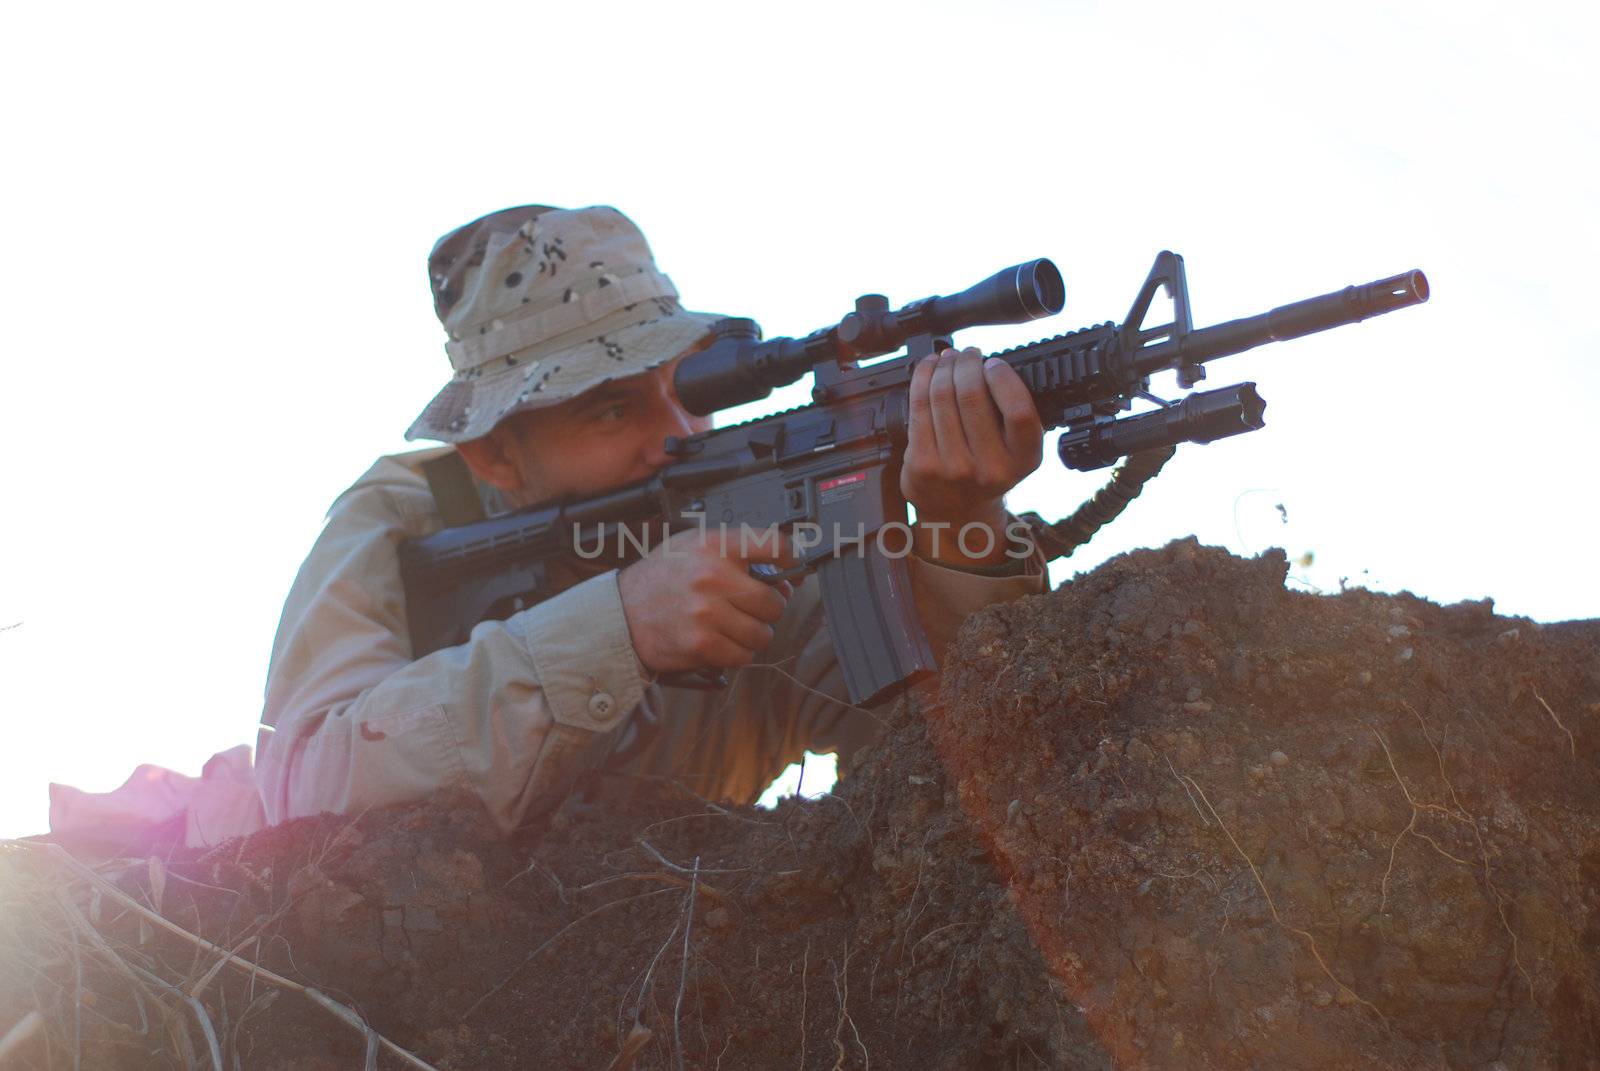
[738,367]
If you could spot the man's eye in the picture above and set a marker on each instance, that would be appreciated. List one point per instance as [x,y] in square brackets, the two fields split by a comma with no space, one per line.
[611,413]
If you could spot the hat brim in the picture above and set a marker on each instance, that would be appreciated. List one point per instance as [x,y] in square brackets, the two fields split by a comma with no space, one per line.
[625,344]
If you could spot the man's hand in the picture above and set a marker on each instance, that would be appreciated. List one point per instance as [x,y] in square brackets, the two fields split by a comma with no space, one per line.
[974,434]
[691,602]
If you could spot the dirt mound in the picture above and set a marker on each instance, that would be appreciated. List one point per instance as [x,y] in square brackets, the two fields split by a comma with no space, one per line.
[1172,815]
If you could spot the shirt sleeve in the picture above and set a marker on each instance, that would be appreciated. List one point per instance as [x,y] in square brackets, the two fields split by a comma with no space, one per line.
[351,721]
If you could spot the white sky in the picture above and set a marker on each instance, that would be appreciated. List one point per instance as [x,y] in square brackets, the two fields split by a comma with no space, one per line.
[217,220]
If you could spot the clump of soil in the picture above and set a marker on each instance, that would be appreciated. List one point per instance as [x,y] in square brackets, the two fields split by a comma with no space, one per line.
[1171,815]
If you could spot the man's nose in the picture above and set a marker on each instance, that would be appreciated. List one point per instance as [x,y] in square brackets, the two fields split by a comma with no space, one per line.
[674,422]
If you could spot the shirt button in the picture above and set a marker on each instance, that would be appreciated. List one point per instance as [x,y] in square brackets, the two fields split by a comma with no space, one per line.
[602,705]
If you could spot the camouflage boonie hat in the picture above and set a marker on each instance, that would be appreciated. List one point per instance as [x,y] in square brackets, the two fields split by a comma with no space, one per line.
[542,304]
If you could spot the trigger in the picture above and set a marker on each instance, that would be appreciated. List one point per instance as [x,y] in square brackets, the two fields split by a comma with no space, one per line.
[772,575]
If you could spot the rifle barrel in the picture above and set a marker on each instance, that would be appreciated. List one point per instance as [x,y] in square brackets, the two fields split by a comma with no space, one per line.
[1350,305]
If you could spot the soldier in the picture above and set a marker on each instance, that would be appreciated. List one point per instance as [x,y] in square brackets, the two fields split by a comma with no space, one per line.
[563,336]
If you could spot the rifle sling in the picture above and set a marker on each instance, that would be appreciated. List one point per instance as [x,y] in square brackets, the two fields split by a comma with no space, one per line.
[1060,539]
[454,493]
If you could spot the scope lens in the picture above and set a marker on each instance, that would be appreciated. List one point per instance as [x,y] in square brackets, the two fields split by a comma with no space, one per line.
[1049,290]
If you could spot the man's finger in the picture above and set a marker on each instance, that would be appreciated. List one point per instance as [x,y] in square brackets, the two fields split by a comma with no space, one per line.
[765,545]
[724,653]
[762,602]
[743,629]
[980,419]
[921,445]
[947,430]
[1023,431]
[917,392]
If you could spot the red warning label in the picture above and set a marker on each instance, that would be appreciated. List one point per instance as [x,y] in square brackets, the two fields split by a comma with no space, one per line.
[840,487]
[840,481]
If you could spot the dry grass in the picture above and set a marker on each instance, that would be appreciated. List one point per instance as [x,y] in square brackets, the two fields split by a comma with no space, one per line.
[150,996]
[1471,822]
[1572,743]
[1272,906]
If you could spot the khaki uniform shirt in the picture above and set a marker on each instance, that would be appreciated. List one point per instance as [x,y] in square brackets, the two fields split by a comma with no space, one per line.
[519,711]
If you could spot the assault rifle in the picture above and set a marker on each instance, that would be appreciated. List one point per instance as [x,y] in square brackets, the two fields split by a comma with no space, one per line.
[835,463]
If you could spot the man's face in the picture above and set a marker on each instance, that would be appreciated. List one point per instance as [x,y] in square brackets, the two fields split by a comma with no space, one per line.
[604,438]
